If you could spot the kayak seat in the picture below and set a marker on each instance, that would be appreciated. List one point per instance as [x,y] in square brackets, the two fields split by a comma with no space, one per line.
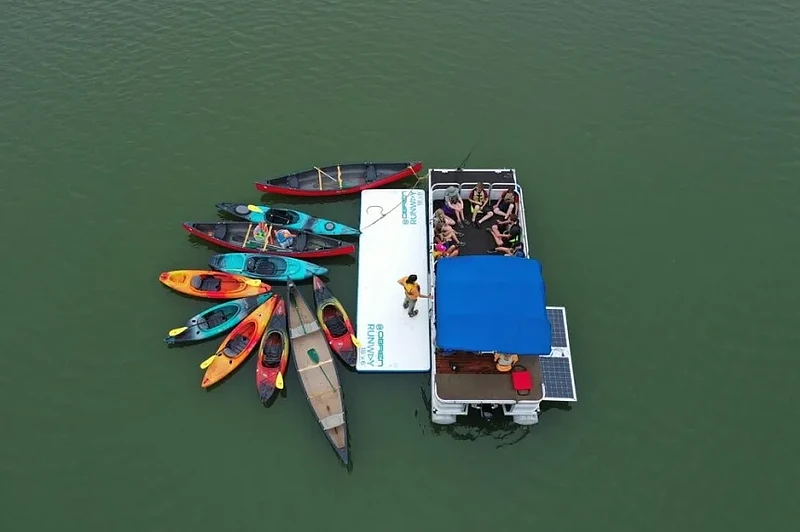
[206,284]
[300,242]
[372,174]
[272,354]
[235,346]
[220,231]
[292,181]
[213,319]
[261,266]
[335,325]
[278,217]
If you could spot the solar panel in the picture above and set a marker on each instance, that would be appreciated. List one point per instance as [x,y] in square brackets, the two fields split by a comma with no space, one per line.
[558,327]
[557,376]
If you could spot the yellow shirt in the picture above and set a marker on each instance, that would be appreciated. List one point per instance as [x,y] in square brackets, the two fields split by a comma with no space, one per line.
[412,289]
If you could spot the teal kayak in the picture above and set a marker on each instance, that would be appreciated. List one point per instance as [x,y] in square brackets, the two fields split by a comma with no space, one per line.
[216,320]
[288,218]
[266,267]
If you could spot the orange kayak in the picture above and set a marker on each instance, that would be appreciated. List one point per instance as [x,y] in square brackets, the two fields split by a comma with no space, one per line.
[238,345]
[213,285]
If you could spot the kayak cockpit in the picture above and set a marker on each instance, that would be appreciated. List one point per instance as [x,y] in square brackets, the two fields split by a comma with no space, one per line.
[216,318]
[281,217]
[262,266]
[205,283]
[333,321]
[273,350]
[235,347]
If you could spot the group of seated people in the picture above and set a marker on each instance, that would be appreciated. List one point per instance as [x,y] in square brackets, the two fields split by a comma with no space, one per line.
[505,231]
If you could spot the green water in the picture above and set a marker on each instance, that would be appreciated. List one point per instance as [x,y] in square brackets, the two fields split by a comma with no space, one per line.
[659,147]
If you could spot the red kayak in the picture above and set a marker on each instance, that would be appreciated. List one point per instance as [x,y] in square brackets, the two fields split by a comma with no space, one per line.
[340,179]
[335,323]
[273,354]
[262,238]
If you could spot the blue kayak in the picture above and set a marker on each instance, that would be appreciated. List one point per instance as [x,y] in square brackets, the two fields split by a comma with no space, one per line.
[216,320]
[288,218]
[266,267]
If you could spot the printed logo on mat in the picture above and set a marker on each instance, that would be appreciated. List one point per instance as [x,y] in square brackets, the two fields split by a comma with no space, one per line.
[410,204]
[372,352]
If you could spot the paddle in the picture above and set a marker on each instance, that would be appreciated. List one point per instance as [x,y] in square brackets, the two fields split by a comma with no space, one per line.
[314,356]
[279,381]
[177,331]
[207,362]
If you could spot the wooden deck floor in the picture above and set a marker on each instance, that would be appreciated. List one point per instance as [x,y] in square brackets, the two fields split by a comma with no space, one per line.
[466,376]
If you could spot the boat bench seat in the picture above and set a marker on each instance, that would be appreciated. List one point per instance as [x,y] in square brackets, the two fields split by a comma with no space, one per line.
[332,421]
[300,242]
[220,231]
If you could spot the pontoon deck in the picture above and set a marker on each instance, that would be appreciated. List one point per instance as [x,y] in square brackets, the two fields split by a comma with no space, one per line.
[461,379]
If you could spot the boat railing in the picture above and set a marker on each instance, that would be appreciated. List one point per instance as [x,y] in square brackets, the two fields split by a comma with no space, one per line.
[495,190]
[522,221]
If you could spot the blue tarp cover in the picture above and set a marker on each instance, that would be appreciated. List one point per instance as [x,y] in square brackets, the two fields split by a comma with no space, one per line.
[491,303]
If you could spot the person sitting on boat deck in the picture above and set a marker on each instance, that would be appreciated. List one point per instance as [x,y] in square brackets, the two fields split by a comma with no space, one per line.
[454,203]
[448,236]
[441,217]
[504,207]
[500,230]
[513,251]
[284,238]
[412,293]
[502,225]
[509,240]
[478,199]
[444,249]
[442,227]
[504,362]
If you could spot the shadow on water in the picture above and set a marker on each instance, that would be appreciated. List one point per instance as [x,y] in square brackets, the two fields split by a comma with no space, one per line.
[292,201]
[551,405]
[476,424]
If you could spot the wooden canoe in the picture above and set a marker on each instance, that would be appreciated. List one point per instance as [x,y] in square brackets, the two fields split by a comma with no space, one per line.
[317,371]
[339,179]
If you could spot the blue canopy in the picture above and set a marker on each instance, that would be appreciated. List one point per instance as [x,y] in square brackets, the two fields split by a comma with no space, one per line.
[491,303]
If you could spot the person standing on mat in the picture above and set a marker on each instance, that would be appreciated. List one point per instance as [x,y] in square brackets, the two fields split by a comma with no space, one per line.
[412,291]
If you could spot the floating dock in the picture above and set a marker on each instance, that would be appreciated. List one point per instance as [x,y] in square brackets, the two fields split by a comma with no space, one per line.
[393,244]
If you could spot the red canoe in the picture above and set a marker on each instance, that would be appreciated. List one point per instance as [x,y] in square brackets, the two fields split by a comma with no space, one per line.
[340,179]
[260,238]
